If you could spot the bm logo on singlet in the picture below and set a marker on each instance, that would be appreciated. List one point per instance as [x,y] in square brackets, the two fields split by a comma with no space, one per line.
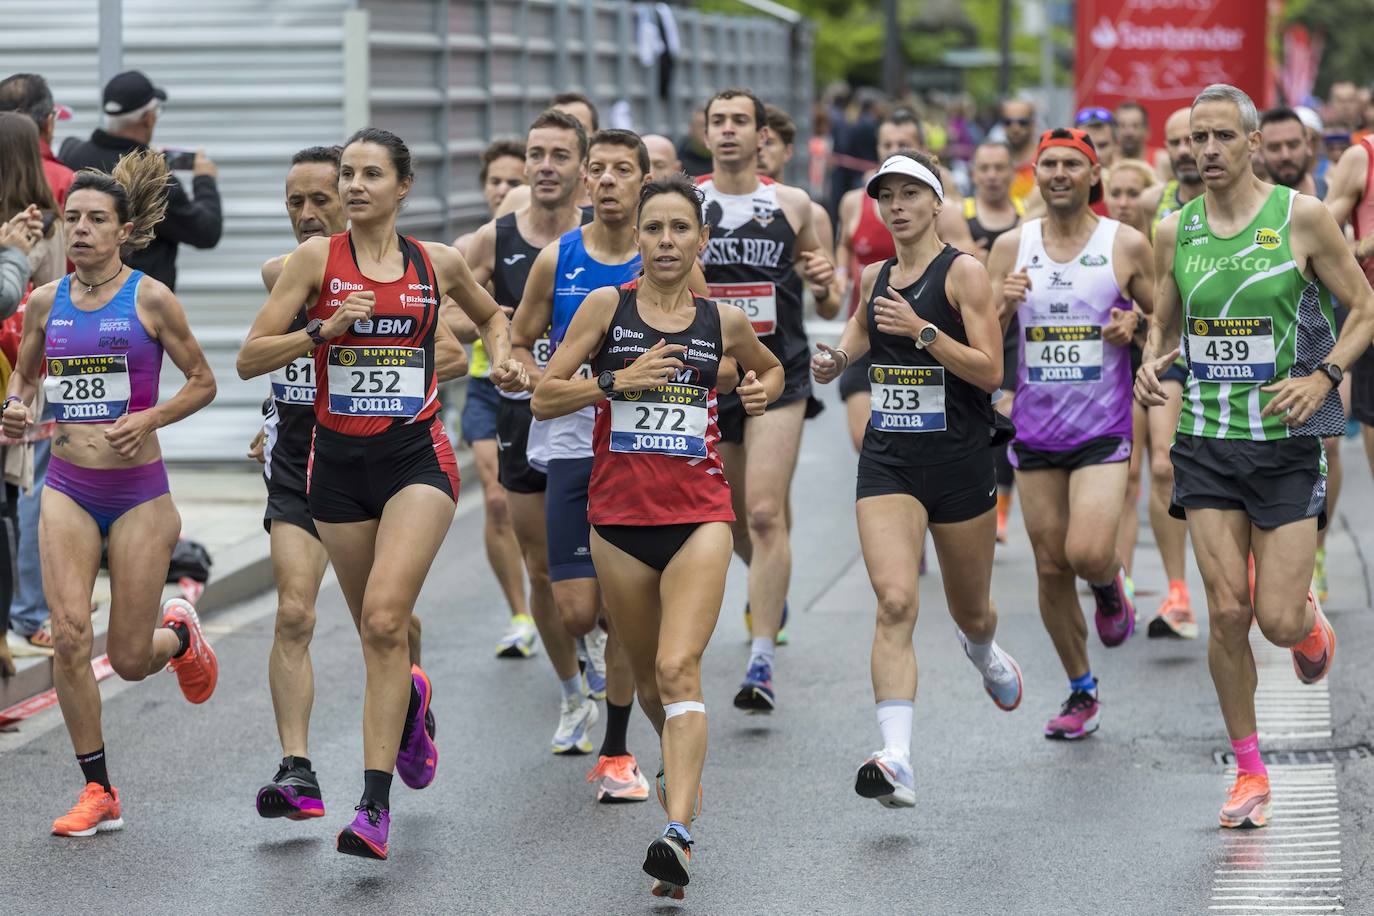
[384,327]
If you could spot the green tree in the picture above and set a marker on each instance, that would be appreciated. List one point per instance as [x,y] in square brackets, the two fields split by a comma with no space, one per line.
[1348,29]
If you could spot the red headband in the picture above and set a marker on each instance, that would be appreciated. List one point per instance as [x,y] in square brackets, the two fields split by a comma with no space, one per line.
[1069,138]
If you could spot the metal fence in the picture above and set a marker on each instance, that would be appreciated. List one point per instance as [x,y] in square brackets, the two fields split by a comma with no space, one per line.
[252,81]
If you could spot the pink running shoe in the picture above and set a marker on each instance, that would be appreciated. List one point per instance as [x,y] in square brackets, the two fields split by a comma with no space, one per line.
[1077,717]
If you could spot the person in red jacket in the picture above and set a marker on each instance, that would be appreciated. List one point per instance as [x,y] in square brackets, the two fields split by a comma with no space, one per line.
[28,93]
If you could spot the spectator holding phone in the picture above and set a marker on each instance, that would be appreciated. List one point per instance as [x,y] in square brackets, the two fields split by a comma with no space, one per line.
[33,237]
[28,94]
[132,105]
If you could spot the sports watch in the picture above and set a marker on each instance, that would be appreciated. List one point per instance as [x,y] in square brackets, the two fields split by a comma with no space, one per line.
[927,336]
[312,327]
[606,381]
[1333,372]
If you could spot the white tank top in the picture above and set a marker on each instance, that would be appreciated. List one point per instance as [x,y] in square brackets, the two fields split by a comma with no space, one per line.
[1071,385]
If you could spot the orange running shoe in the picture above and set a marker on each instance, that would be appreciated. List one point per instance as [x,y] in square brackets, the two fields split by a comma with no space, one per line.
[1313,656]
[618,779]
[1248,803]
[1174,617]
[95,811]
[197,669]
[1003,513]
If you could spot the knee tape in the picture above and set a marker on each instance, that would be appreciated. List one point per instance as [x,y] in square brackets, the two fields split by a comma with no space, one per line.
[686,706]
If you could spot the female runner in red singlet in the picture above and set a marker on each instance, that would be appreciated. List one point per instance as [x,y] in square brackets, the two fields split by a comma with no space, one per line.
[658,500]
[382,480]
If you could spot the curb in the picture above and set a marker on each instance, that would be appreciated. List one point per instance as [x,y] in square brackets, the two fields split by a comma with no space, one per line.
[247,572]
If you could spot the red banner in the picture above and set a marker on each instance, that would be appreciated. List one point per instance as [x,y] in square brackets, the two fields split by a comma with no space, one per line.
[1162,53]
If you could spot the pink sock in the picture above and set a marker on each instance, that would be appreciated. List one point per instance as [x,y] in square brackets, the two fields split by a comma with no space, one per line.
[1248,756]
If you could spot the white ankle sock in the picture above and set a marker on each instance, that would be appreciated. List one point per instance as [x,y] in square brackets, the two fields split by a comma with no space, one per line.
[572,686]
[762,647]
[894,721]
[979,652]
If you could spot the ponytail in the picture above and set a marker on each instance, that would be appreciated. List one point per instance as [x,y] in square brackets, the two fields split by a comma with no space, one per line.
[138,186]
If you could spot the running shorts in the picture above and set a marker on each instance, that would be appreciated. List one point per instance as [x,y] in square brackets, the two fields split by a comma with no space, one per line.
[1102,450]
[513,419]
[350,478]
[289,506]
[479,411]
[955,491]
[565,510]
[1273,482]
[796,386]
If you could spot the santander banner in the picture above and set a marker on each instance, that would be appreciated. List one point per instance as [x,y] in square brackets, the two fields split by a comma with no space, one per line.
[1162,53]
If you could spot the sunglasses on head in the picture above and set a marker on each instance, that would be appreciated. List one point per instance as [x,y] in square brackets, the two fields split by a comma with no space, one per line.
[1020,122]
[1091,115]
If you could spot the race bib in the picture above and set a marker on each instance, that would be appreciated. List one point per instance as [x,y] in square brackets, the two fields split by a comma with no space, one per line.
[88,389]
[543,352]
[667,420]
[758,300]
[294,383]
[1064,353]
[1231,349]
[907,399]
[376,381]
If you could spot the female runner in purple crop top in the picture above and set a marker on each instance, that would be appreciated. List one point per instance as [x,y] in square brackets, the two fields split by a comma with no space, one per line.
[98,336]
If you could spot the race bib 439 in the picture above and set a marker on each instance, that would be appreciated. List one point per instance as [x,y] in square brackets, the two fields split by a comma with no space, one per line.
[1231,349]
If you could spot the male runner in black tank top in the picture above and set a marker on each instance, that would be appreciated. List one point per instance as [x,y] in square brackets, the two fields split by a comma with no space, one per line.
[990,212]
[501,253]
[762,247]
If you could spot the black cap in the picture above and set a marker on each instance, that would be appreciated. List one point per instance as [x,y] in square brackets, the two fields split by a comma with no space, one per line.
[130,91]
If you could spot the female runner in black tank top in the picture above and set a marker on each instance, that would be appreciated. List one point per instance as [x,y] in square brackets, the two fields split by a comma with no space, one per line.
[660,506]
[381,548]
[931,328]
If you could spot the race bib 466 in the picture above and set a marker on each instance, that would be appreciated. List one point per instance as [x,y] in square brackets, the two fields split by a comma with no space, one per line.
[1063,354]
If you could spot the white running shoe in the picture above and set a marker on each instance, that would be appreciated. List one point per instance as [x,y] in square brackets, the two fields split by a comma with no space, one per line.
[592,650]
[887,778]
[577,715]
[521,640]
[1001,678]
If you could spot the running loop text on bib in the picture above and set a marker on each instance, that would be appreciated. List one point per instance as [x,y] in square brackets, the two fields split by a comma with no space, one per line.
[88,389]
[1231,349]
[376,381]
[667,420]
[907,399]
[1062,354]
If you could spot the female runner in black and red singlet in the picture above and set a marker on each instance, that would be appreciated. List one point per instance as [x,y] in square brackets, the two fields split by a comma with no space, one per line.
[658,500]
[382,480]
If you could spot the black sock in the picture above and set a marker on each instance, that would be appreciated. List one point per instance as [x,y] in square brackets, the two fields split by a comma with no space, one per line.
[617,723]
[377,790]
[411,712]
[291,763]
[93,768]
[183,637]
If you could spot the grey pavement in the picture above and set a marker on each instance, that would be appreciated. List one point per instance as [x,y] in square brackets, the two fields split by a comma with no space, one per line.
[1006,821]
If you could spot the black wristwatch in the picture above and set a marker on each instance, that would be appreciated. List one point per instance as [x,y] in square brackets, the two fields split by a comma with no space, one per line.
[1333,372]
[312,327]
[606,382]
